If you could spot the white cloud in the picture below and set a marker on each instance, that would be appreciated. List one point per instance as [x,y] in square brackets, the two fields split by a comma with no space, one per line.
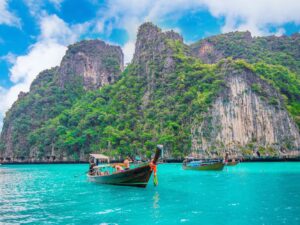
[255,15]
[47,52]
[7,17]
[55,29]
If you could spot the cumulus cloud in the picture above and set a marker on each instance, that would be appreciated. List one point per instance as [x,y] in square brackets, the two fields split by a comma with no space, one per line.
[7,17]
[47,52]
[255,15]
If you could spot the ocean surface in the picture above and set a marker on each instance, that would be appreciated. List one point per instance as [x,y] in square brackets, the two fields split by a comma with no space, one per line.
[249,193]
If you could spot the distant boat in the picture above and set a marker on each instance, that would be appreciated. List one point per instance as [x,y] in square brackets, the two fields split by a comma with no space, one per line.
[203,164]
[137,177]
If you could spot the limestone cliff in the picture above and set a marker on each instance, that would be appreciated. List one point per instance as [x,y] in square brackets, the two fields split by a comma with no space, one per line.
[87,65]
[154,56]
[151,48]
[94,62]
[189,98]
[242,121]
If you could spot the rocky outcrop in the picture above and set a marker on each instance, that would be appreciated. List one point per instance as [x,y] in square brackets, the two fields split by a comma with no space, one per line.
[87,65]
[152,48]
[242,121]
[213,49]
[154,56]
[93,62]
[283,50]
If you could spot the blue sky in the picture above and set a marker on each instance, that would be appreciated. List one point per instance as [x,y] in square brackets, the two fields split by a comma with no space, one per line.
[34,33]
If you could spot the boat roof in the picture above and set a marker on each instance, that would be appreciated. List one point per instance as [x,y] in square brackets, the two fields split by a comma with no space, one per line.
[99,156]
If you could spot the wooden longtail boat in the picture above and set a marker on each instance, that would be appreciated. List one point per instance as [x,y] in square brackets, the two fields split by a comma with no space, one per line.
[137,177]
[203,165]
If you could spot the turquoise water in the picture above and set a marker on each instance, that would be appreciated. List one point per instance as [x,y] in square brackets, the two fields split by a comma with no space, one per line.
[250,193]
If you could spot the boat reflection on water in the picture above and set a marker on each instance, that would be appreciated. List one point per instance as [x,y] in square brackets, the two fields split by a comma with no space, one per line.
[156,209]
[156,200]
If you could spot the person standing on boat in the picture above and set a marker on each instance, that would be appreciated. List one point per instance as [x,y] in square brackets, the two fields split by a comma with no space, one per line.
[92,169]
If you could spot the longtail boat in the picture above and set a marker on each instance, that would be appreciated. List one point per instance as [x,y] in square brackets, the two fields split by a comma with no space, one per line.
[203,164]
[137,177]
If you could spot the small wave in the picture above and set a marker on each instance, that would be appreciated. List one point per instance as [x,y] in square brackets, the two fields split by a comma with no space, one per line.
[107,211]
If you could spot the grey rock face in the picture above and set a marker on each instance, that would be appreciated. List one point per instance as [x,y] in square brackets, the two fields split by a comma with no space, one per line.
[93,62]
[154,56]
[240,117]
[151,48]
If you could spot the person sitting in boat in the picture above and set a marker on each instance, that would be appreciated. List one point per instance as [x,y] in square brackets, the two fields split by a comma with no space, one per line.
[119,168]
[127,162]
[92,170]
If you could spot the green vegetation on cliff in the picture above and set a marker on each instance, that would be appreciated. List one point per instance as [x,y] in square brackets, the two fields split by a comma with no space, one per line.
[45,101]
[119,120]
[157,99]
[273,50]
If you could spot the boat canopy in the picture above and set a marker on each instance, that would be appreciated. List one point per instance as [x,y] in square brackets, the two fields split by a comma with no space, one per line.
[100,157]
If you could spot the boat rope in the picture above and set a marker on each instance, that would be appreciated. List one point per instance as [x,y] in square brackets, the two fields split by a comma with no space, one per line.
[154,169]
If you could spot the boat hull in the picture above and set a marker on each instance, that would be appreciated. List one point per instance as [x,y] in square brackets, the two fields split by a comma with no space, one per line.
[137,177]
[214,166]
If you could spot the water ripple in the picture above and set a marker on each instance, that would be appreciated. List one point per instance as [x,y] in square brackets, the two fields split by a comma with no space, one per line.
[245,194]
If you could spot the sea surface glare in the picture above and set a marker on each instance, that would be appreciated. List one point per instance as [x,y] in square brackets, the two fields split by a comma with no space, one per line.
[249,193]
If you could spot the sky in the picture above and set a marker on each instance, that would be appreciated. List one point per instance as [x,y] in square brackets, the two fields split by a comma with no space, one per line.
[34,34]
